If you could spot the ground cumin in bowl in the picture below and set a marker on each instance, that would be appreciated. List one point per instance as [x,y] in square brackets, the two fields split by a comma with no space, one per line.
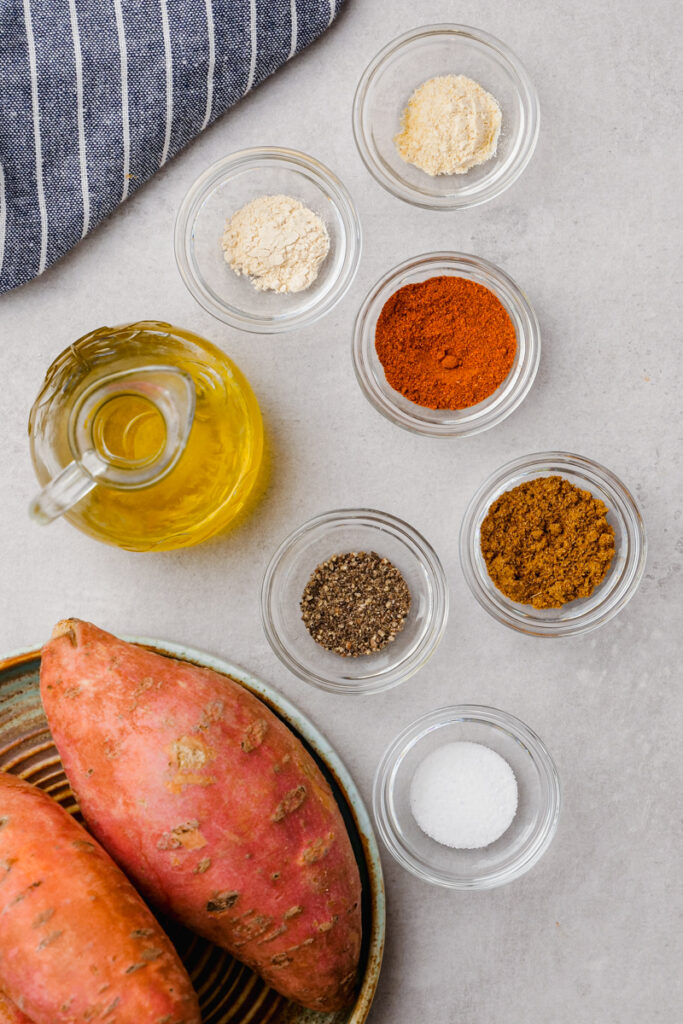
[553,544]
[446,344]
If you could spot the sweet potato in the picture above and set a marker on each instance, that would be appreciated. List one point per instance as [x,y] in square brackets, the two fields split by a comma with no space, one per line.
[76,941]
[211,805]
[10,1013]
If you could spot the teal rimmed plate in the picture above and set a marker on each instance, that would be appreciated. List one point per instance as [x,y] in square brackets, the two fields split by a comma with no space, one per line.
[229,993]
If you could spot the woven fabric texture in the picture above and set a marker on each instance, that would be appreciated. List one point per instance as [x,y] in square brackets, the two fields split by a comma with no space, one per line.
[96,95]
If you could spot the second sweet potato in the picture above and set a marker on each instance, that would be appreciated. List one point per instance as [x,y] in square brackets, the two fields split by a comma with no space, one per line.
[76,941]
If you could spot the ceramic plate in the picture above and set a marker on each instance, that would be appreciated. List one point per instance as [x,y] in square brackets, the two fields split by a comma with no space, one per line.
[229,993]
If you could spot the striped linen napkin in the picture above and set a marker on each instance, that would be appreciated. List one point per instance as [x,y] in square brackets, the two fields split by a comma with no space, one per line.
[96,95]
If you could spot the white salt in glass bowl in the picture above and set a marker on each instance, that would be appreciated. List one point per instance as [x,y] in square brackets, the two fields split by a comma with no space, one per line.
[626,568]
[334,533]
[225,188]
[518,848]
[447,422]
[405,63]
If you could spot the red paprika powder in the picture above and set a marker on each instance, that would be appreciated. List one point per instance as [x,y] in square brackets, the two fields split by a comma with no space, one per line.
[445,343]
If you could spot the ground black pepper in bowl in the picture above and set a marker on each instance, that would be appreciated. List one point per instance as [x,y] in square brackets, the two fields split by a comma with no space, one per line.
[355,603]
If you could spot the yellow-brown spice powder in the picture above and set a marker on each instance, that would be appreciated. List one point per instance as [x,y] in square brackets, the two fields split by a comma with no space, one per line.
[547,542]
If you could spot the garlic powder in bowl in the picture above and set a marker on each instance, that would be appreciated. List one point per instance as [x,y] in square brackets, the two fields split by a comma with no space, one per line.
[450,125]
[277,242]
[444,176]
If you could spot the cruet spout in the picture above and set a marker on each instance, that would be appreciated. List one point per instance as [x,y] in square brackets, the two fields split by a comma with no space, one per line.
[126,431]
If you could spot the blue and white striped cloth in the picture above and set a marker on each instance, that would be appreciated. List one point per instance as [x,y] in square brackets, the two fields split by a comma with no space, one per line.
[96,95]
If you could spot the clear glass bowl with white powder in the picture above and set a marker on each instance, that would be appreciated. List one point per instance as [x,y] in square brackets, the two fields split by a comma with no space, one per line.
[404,65]
[521,844]
[224,189]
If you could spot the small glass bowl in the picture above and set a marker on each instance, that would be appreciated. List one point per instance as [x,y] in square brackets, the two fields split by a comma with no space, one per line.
[520,846]
[447,422]
[405,63]
[226,187]
[623,575]
[354,530]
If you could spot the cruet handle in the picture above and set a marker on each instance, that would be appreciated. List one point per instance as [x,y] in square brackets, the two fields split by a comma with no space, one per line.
[169,389]
[66,489]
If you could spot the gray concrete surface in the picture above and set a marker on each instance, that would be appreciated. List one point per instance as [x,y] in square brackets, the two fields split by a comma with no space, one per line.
[592,934]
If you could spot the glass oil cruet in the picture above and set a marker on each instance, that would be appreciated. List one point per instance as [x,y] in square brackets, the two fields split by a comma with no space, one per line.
[145,436]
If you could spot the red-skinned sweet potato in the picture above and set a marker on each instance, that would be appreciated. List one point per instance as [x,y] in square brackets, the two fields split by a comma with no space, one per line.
[10,1012]
[211,805]
[76,941]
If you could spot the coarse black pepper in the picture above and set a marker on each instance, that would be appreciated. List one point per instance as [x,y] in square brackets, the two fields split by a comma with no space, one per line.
[355,603]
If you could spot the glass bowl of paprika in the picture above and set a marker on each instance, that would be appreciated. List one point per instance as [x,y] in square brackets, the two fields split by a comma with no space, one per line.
[446,345]
[587,502]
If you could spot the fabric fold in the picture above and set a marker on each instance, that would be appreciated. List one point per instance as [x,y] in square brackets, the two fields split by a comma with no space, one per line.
[96,95]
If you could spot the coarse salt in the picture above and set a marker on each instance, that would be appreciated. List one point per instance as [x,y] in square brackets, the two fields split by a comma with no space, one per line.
[464,795]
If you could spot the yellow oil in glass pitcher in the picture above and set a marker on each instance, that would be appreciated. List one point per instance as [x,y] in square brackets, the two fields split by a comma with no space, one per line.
[145,436]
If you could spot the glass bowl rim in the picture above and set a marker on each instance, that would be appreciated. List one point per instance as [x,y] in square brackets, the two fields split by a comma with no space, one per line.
[512,394]
[294,160]
[434,628]
[480,714]
[524,87]
[623,588]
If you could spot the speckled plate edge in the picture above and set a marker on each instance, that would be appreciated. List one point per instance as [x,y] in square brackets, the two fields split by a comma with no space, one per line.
[302,724]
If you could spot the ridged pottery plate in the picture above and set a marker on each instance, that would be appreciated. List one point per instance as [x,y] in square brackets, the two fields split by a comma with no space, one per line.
[229,993]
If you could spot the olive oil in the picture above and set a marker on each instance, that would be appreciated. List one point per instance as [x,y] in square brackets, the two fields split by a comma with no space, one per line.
[129,429]
[212,473]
